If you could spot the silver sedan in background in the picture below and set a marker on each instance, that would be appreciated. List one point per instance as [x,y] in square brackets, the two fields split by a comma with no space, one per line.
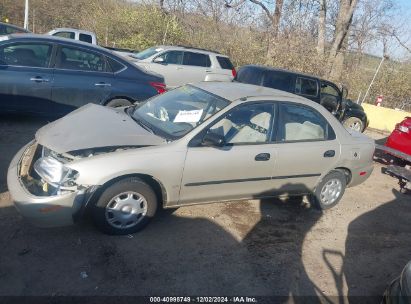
[199,143]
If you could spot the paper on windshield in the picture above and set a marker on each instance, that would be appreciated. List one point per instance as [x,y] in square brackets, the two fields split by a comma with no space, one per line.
[189,116]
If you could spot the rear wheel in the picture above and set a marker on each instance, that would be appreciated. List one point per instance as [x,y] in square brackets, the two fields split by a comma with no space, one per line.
[116,103]
[354,123]
[329,191]
[125,207]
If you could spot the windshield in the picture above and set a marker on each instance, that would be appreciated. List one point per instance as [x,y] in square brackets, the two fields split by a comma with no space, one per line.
[147,53]
[177,112]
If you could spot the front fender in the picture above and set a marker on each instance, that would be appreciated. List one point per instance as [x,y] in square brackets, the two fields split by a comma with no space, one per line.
[350,112]
[164,166]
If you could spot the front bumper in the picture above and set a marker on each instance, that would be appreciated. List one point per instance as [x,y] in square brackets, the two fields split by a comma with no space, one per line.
[43,211]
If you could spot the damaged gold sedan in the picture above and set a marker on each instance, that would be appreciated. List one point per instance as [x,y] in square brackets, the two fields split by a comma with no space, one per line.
[196,144]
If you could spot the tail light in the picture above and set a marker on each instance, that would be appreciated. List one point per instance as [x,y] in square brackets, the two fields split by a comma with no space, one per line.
[159,87]
[234,72]
[402,128]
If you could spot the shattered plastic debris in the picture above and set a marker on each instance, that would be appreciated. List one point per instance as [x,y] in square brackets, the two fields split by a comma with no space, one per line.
[130,236]
[83,275]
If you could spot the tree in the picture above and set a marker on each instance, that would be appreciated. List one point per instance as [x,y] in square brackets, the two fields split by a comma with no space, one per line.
[321,28]
[342,27]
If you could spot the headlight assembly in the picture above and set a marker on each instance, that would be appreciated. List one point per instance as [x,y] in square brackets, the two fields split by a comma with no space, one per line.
[54,172]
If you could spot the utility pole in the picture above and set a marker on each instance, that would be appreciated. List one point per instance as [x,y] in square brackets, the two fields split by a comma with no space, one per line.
[375,75]
[26,15]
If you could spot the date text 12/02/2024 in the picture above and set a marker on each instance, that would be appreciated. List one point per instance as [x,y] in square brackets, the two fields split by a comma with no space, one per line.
[203,300]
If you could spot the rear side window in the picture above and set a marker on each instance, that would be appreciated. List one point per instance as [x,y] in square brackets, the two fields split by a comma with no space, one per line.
[68,35]
[196,59]
[115,66]
[86,38]
[301,123]
[225,63]
[78,59]
[306,86]
[250,76]
[278,80]
[30,55]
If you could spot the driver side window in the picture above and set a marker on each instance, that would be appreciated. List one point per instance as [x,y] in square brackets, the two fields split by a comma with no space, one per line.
[172,57]
[246,124]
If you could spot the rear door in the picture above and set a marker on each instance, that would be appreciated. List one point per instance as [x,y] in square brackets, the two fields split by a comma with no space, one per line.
[25,76]
[81,76]
[307,148]
[223,70]
[195,67]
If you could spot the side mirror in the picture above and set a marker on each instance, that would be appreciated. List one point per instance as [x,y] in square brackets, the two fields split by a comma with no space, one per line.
[159,60]
[212,139]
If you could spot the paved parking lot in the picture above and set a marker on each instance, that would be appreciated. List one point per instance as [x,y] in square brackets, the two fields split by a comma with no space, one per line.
[270,247]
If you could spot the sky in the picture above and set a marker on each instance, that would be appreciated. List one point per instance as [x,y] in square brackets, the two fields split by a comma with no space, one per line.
[404,20]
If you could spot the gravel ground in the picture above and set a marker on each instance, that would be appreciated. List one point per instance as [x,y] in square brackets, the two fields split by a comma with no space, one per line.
[269,247]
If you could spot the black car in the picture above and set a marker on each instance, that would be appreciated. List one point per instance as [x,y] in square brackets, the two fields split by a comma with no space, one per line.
[321,91]
[53,76]
[7,29]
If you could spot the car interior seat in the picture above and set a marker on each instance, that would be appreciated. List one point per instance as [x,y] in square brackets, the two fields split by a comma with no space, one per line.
[254,131]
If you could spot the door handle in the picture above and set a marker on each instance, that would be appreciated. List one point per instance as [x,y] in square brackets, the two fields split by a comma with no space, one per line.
[102,84]
[329,153]
[39,79]
[208,71]
[262,157]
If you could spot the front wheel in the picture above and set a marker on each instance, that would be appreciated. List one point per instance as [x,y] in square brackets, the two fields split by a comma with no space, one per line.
[117,103]
[125,207]
[329,191]
[354,123]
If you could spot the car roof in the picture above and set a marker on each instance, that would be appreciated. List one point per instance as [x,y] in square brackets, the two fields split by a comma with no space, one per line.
[189,48]
[69,29]
[50,38]
[267,68]
[235,91]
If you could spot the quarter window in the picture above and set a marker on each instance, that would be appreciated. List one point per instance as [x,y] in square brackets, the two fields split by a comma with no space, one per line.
[30,55]
[306,86]
[86,38]
[225,63]
[196,59]
[76,59]
[246,124]
[115,65]
[300,123]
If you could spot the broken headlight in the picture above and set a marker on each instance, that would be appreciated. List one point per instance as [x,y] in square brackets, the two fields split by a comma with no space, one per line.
[54,172]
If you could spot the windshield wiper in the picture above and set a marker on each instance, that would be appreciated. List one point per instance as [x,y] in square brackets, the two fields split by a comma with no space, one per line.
[130,112]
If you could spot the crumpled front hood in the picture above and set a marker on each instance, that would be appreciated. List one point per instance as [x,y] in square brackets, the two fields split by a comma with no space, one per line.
[95,126]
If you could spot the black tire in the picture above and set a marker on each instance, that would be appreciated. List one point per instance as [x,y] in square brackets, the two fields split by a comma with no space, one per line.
[116,103]
[354,123]
[317,198]
[101,211]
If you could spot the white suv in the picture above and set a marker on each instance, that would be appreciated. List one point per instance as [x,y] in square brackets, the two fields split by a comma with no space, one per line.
[180,65]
